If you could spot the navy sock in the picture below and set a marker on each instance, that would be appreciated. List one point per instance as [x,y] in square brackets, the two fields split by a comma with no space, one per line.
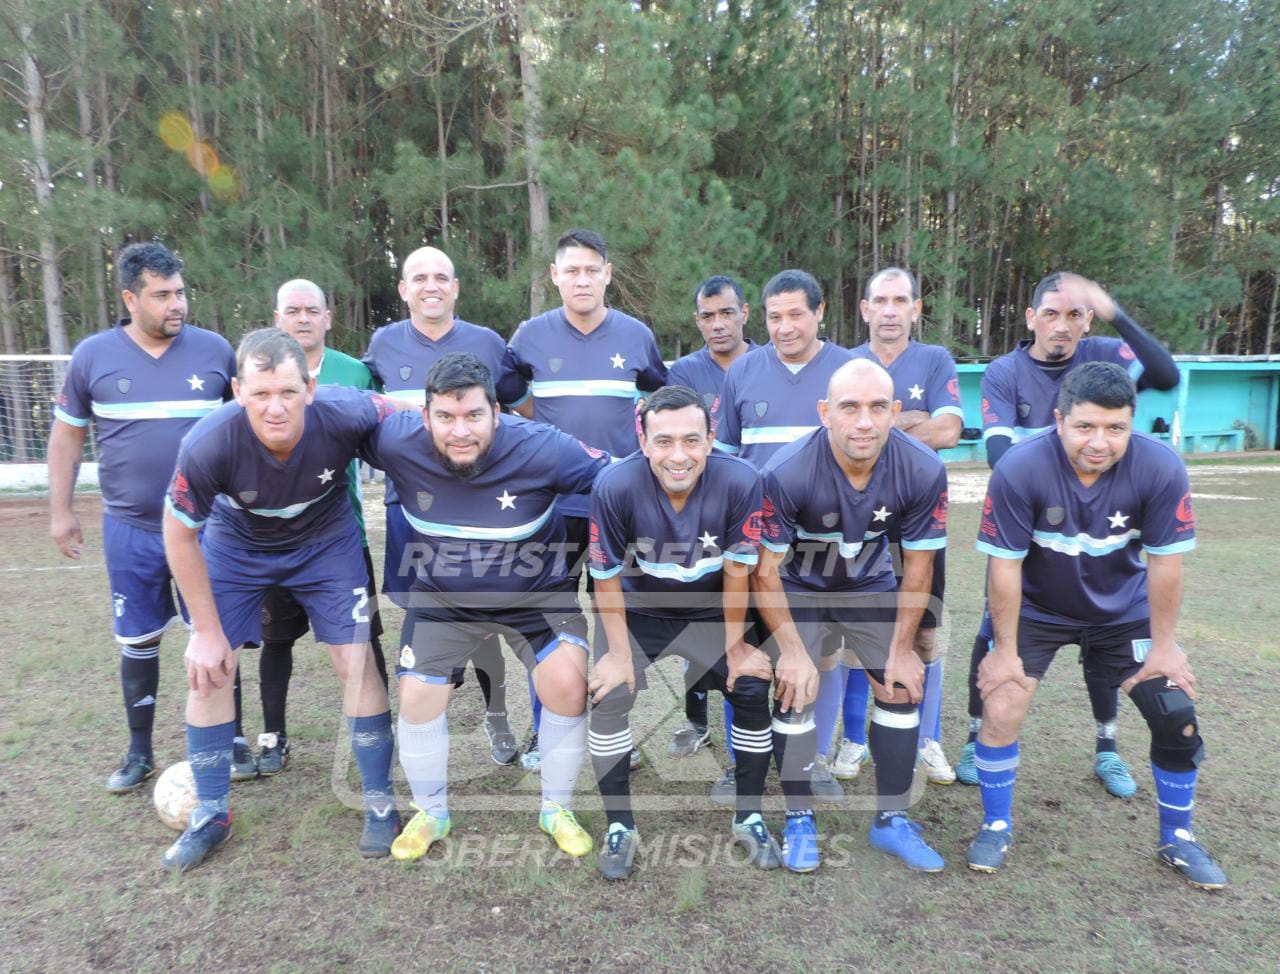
[372,744]
[997,772]
[209,751]
[239,706]
[139,682]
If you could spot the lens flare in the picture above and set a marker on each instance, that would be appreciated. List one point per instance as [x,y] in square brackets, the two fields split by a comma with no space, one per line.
[175,131]
[203,158]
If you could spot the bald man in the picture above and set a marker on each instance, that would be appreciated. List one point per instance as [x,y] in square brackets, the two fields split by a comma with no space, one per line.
[400,355]
[832,500]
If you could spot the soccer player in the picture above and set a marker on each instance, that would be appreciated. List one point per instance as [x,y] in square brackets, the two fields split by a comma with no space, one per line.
[832,501]
[769,399]
[1067,516]
[1019,391]
[675,530]
[400,355]
[267,474]
[721,315]
[302,313]
[926,383]
[480,489]
[586,365]
[143,383]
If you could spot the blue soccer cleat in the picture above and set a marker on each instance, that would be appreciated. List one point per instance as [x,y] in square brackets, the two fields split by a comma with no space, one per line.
[967,766]
[381,826]
[194,845]
[753,837]
[902,838]
[988,849]
[133,771]
[1187,856]
[800,844]
[1114,773]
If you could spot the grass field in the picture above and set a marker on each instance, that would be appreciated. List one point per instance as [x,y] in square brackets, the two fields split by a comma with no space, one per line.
[81,886]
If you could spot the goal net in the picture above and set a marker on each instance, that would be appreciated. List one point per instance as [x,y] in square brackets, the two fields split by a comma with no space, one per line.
[29,386]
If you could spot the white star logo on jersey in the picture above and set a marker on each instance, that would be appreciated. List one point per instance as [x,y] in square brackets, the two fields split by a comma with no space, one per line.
[1118,520]
[916,392]
[618,361]
[882,514]
[326,476]
[507,500]
[197,383]
[708,539]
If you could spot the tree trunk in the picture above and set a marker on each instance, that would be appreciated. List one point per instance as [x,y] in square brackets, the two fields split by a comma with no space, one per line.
[8,306]
[539,209]
[97,270]
[1271,311]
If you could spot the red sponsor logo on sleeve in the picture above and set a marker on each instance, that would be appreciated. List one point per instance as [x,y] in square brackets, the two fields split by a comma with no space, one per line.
[596,553]
[62,398]
[180,491]
[1126,352]
[753,526]
[382,406]
[591,451]
[940,514]
[953,388]
[1185,514]
[769,519]
[988,525]
[988,414]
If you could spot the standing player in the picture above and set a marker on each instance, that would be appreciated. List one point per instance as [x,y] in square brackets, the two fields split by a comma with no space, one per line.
[1067,516]
[721,315]
[400,355]
[586,364]
[303,314]
[674,533]
[832,500]
[268,475]
[144,383]
[926,383]
[1018,395]
[769,399]
[480,489]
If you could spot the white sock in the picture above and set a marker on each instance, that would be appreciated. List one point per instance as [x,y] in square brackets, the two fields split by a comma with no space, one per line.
[424,755]
[563,742]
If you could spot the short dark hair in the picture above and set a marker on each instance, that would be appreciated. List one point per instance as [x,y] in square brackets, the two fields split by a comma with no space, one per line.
[583,238]
[456,372]
[673,397]
[1048,283]
[787,281]
[139,257]
[893,272]
[1104,384]
[717,284]
[269,348]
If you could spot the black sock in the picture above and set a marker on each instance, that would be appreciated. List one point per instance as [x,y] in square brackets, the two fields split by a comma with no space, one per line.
[275,667]
[794,754]
[695,707]
[1104,699]
[139,682]
[491,673]
[609,741]
[239,707]
[976,656]
[895,728]
[379,661]
[752,741]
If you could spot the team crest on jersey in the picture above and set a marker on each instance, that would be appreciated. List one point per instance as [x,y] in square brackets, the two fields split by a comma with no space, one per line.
[644,545]
[829,520]
[556,364]
[424,500]
[762,407]
[1024,409]
[1054,515]
[124,384]
[248,496]
[406,371]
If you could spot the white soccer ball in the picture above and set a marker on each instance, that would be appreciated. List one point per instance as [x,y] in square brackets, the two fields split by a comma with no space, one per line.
[175,796]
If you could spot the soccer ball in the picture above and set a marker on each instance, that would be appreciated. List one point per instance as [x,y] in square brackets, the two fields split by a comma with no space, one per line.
[175,796]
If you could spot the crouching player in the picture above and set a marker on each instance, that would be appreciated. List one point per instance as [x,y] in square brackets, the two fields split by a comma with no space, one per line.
[266,476]
[1067,515]
[674,533]
[832,500]
[479,489]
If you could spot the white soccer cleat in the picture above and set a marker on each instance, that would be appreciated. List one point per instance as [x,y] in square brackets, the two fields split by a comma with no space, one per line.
[849,760]
[934,762]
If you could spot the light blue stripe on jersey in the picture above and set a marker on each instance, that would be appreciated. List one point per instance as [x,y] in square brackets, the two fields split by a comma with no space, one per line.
[927,544]
[1017,434]
[997,431]
[604,573]
[848,549]
[726,447]
[173,409]
[777,548]
[517,532]
[619,388]
[994,552]
[193,524]
[947,411]
[742,558]
[775,434]
[68,418]
[416,396]
[1084,544]
[1177,548]
[292,511]
[679,573]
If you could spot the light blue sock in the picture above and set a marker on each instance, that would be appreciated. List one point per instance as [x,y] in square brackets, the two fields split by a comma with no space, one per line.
[1176,798]
[827,707]
[997,771]
[931,702]
[856,693]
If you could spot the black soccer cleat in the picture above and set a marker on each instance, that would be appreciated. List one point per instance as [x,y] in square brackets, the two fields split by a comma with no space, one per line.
[503,747]
[133,771]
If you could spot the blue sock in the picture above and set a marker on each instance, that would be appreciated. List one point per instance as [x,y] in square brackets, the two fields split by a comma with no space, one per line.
[931,703]
[1176,797]
[372,744]
[209,751]
[997,771]
[536,705]
[827,707]
[728,722]
[856,692]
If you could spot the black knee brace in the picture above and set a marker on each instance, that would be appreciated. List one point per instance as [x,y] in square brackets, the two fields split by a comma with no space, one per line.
[751,693]
[1176,744]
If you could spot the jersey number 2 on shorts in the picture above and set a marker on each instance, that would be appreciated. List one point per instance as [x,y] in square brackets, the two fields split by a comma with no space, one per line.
[361,611]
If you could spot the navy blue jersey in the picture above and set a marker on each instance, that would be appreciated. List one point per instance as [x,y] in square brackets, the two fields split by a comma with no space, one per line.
[701,373]
[764,405]
[1018,396]
[400,357]
[587,385]
[924,378]
[225,476]
[142,406]
[1081,544]
[672,563]
[839,536]
[496,531]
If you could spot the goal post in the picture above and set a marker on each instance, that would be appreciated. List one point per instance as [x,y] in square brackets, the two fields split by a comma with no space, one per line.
[29,386]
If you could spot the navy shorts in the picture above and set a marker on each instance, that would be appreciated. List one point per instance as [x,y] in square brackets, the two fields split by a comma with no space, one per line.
[1121,649]
[863,621]
[436,643]
[143,598]
[327,578]
[284,620]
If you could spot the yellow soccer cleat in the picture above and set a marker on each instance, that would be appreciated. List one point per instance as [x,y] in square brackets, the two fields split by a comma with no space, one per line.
[417,837]
[560,824]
